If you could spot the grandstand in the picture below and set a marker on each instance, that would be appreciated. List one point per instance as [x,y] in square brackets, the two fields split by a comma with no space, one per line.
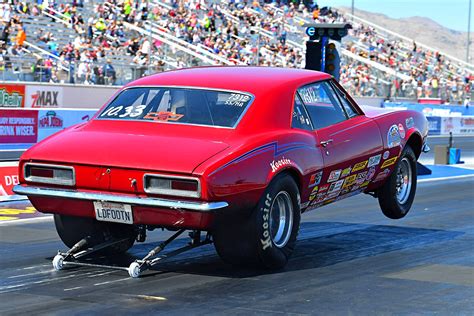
[116,41]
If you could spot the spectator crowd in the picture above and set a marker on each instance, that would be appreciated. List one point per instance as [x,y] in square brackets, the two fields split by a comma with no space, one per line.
[266,33]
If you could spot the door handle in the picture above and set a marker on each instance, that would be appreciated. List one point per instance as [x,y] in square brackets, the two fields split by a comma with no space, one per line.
[324,143]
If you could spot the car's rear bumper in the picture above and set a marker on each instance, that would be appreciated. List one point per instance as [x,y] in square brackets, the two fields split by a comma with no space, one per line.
[118,198]
[146,210]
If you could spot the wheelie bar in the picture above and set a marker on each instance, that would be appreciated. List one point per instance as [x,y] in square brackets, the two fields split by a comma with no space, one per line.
[135,269]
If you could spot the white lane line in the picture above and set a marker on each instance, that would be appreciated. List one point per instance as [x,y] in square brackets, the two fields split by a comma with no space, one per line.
[446,178]
[35,267]
[23,221]
[115,281]
[101,274]
[28,274]
[73,288]
[9,288]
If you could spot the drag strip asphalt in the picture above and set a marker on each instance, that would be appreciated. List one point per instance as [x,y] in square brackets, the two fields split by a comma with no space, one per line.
[349,259]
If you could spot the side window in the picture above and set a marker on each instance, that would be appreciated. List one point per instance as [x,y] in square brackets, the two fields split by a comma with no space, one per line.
[351,112]
[322,104]
[300,117]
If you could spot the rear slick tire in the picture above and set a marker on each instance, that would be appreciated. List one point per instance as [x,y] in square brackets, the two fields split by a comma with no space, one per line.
[268,236]
[398,192]
[72,229]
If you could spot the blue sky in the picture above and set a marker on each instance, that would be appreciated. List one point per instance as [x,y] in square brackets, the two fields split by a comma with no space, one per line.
[449,13]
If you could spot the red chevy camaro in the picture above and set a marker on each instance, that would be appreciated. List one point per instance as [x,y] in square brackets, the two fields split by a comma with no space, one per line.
[238,152]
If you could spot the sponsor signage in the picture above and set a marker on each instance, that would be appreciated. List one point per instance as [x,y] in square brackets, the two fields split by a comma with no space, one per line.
[434,125]
[51,121]
[12,95]
[18,126]
[8,179]
[457,125]
[44,97]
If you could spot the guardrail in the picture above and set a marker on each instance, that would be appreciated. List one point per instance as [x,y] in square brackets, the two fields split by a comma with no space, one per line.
[57,16]
[156,34]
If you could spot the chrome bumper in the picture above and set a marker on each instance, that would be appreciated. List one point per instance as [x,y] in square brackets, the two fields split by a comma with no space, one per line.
[147,201]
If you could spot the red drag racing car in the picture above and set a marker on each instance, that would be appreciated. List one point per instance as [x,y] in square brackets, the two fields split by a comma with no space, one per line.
[238,152]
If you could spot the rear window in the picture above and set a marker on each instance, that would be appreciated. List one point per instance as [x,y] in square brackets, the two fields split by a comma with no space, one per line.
[178,105]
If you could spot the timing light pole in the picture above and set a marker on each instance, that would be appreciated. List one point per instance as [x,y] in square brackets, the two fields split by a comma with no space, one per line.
[468,32]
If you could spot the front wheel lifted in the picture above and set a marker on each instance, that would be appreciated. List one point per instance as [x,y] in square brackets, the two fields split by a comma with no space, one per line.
[268,236]
[398,192]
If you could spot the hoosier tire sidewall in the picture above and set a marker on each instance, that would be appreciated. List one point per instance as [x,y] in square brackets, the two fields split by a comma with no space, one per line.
[269,255]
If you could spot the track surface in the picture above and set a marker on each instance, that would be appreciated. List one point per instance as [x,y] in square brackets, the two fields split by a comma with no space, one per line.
[349,260]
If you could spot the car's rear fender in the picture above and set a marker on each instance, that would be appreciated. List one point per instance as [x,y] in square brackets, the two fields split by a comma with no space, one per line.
[242,180]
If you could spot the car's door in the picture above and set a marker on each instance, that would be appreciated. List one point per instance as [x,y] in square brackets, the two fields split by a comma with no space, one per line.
[350,142]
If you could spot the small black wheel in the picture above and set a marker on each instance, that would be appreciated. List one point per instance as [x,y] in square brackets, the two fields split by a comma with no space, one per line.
[398,192]
[268,236]
[72,229]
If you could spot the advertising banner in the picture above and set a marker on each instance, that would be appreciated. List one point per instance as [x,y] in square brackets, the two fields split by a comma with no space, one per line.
[8,179]
[45,96]
[457,125]
[52,121]
[434,125]
[18,126]
[12,95]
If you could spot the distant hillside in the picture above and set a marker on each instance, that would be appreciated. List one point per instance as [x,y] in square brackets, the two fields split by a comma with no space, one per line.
[423,30]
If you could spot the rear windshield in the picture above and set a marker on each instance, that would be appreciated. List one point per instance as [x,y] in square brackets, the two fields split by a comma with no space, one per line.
[178,105]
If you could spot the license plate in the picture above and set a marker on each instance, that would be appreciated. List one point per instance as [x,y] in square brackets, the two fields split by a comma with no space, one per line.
[113,212]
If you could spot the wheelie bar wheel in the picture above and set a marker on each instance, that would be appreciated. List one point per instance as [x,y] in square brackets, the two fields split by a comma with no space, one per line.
[134,270]
[58,262]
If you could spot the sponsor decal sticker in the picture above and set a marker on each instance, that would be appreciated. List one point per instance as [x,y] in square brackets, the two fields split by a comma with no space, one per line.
[393,136]
[366,183]
[324,188]
[386,154]
[355,187]
[331,199]
[382,175]
[344,191]
[389,162]
[334,175]
[401,130]
[313,193]
[279,163]
[336,186]
[374,160]
[361,177]
[359,166]
[350,180]
[320,197]
[160,116]
[370,174]
[346,172]
[315,179]
[51,120]
[409,122]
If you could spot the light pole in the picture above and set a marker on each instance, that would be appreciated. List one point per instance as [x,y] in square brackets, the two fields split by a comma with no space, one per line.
[352,10]
[468,32]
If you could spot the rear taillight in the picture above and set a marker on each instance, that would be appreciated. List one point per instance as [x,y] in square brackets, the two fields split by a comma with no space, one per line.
[171,185]
[51,174]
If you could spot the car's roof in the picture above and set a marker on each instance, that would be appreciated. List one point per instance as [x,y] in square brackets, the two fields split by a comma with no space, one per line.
[273,89]
[255,80]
